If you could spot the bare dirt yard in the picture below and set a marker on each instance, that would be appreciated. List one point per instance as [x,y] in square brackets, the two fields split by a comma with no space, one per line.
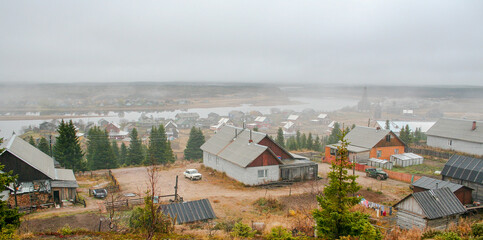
[232,200]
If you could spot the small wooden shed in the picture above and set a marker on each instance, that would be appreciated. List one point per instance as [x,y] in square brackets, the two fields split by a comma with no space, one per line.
[437,208]
[463,193]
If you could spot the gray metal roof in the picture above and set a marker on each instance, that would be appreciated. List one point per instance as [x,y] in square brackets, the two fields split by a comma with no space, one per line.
[439,203]
[457,129]
[186,212]
[237,149]
[30,155]
[64,184]
[432,183]
[350,148]
[366,137]
[464,168]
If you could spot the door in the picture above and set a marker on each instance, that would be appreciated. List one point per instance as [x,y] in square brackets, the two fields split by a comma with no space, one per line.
[56,197]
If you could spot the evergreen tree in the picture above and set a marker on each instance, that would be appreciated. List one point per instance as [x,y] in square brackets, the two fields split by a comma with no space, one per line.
[405,134]
[334,135]
[9,218]
[195,141]
[156,148]
[67,150]
[303,141]
[298,140]
[32,141]
[168,154]
[317,144]
[44,146]
[387,125]
[335,218]
[115,151]
[123,155]
[255,129]
[310,142]
[280,140]
[291,143]
[99,150]
[353,126]
[135,154]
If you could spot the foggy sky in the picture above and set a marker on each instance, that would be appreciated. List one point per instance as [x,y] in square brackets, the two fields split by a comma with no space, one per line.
[375,42]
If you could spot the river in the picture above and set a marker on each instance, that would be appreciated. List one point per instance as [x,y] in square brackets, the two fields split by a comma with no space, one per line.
[317,104]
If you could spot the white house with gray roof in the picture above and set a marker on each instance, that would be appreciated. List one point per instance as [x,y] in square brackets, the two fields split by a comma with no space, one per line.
[253,158]
[457,134]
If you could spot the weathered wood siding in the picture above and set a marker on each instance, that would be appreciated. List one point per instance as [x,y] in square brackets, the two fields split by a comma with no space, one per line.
[411,205]
[265,159]
[26,173]
[477,194]
[443,223]
[409,220]
[274,147]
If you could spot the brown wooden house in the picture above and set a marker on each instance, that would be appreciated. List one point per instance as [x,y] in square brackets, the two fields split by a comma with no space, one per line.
[39,182]
[461,192]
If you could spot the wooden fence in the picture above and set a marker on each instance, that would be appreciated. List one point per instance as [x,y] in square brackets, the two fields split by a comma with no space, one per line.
[123,204]
[403,177]
[430,152]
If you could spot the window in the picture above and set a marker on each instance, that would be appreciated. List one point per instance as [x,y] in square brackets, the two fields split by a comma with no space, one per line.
[262,173]
[396,151]
[379,153]
[333,152]
[388,138]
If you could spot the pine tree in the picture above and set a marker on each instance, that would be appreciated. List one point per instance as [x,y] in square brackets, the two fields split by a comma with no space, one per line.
[9,218]
[280,140]
[335,218]
[115,151]
[317,144]
[168,151]
[156,148]
[135,154]
[123,155]
[99,150]
[195,141]
[303,141]
[67,150]
[334,135]
[32,141]
[291,143]
[44,146]
[298,140]
[310,142]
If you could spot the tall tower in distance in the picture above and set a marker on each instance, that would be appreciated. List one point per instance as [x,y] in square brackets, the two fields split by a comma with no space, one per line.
[364,105]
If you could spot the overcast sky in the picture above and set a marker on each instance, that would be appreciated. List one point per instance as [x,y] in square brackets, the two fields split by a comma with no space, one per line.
[367,42]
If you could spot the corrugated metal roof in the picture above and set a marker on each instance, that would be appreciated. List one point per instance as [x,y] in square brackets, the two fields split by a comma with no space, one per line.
[350,148]
[432,183]
[366,137]
[439,203]
[396,126]
[187,212]
[457,129]
[464,168]
[237,149]
[30,155]
[64,184]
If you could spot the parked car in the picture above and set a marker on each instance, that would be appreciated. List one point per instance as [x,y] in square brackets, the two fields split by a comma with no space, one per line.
[376,173]
[192,174]
[99,193]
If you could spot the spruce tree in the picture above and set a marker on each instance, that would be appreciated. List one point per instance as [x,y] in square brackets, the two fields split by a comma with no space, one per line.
[115,151]
[335,218]
[334,135]
[135,154]
[280,140]
[67,150]
[317,145]
[298,140]
[32,141]
[44,146]
[123,155]
[310,142]
[168,154]
[192,150]
[9,217]
[303,141]
[99,150]
[156,149]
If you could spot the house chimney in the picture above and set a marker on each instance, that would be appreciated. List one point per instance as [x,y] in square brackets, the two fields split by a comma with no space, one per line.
[436,185]
[236,133]
[250,141]
[473,128]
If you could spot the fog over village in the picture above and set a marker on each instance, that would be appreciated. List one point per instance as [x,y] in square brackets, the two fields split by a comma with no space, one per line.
[241,120]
